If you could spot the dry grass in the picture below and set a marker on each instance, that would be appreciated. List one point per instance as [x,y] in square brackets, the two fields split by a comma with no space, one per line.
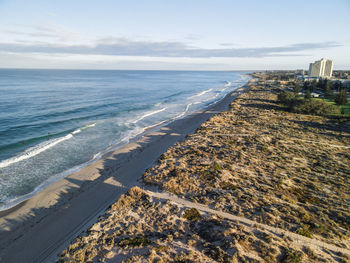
[259,161]
[151,230]
[255,160]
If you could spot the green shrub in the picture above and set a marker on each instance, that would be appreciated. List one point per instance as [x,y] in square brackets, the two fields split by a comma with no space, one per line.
[286,97]
[134,242]
[228,186]
[293,256]
[217,167]
[296,88]
[192,214]
[289,99]
[307,95]
[304,230]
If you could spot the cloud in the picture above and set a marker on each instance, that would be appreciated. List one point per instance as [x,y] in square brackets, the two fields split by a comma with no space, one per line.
[32,34]
[193,37]
[127,47]
[46,30]
[227,44]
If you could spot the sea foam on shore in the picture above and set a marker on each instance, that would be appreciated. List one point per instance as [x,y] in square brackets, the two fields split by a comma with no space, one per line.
[77,116]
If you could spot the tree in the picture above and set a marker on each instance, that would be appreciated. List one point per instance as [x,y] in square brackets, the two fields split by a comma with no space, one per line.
[285,97]
[326,88]
[314,107]
[325,83]
[296,88]
[341,98]
[308,95]
[337,85]
[313,85]
[320,83]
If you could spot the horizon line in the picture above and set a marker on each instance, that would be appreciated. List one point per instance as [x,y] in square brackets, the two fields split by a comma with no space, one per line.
[111,69]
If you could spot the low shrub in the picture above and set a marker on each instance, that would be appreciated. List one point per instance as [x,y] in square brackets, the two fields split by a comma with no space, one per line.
[217,167]
[304,230]
[228,186]
[162,248]
[192,214]
[293,256]
[134,242]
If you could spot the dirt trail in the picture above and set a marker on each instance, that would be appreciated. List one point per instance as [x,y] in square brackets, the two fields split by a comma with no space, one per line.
[250,223]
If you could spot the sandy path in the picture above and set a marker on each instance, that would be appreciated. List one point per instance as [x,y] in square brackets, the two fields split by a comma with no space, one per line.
[40,228]
[250,223]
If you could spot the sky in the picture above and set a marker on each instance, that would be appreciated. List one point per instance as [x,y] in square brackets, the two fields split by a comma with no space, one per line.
[174,34]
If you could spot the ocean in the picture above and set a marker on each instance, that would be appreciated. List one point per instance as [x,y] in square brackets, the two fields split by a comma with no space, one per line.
[54,122]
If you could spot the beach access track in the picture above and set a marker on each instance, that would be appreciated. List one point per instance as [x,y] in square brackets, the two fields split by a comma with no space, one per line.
[300,240]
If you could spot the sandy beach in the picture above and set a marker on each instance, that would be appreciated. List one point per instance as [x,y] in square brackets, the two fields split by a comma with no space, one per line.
[41,227]
[174,131]
[254,183]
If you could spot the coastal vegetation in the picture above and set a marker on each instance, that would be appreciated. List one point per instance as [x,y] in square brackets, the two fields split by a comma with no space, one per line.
[306,105]
[149,229]
[262,161]
[330,92]
[192,214]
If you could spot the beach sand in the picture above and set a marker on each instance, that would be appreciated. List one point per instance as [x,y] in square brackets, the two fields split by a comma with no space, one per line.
[255,183]
[38,229]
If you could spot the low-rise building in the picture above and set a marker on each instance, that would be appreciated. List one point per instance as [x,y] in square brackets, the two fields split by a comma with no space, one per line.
[299,72]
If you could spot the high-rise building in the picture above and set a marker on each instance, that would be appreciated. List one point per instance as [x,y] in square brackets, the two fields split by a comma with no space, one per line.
[321,68]
[328,69]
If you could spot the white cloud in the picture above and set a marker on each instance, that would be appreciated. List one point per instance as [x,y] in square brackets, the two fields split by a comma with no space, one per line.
[48,31]
[127,47]
[49,45]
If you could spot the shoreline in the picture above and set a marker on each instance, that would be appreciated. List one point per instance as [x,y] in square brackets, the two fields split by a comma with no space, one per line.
[254,183]
[58,213]
[18,201]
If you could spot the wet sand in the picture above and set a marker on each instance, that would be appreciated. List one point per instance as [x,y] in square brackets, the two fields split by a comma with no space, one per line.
[41,227]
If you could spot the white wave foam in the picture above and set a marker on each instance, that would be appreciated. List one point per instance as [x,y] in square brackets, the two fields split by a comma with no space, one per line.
[97,156]
[11,202]
[228,84]
[29,153]
[41,147]
[89,126]
[184,112]
[147,115]
[200,94]
[76,131]
[125,139]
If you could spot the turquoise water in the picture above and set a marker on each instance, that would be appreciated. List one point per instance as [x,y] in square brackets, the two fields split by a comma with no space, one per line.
[53,122]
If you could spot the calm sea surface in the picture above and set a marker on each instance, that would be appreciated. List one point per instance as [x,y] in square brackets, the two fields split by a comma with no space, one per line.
[53,122]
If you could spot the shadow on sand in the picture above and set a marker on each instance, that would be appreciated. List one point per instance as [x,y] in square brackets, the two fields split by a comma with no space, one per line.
[37,234]
[38,229]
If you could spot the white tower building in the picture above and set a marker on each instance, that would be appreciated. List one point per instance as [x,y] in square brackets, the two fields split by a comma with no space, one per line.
[321,68]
